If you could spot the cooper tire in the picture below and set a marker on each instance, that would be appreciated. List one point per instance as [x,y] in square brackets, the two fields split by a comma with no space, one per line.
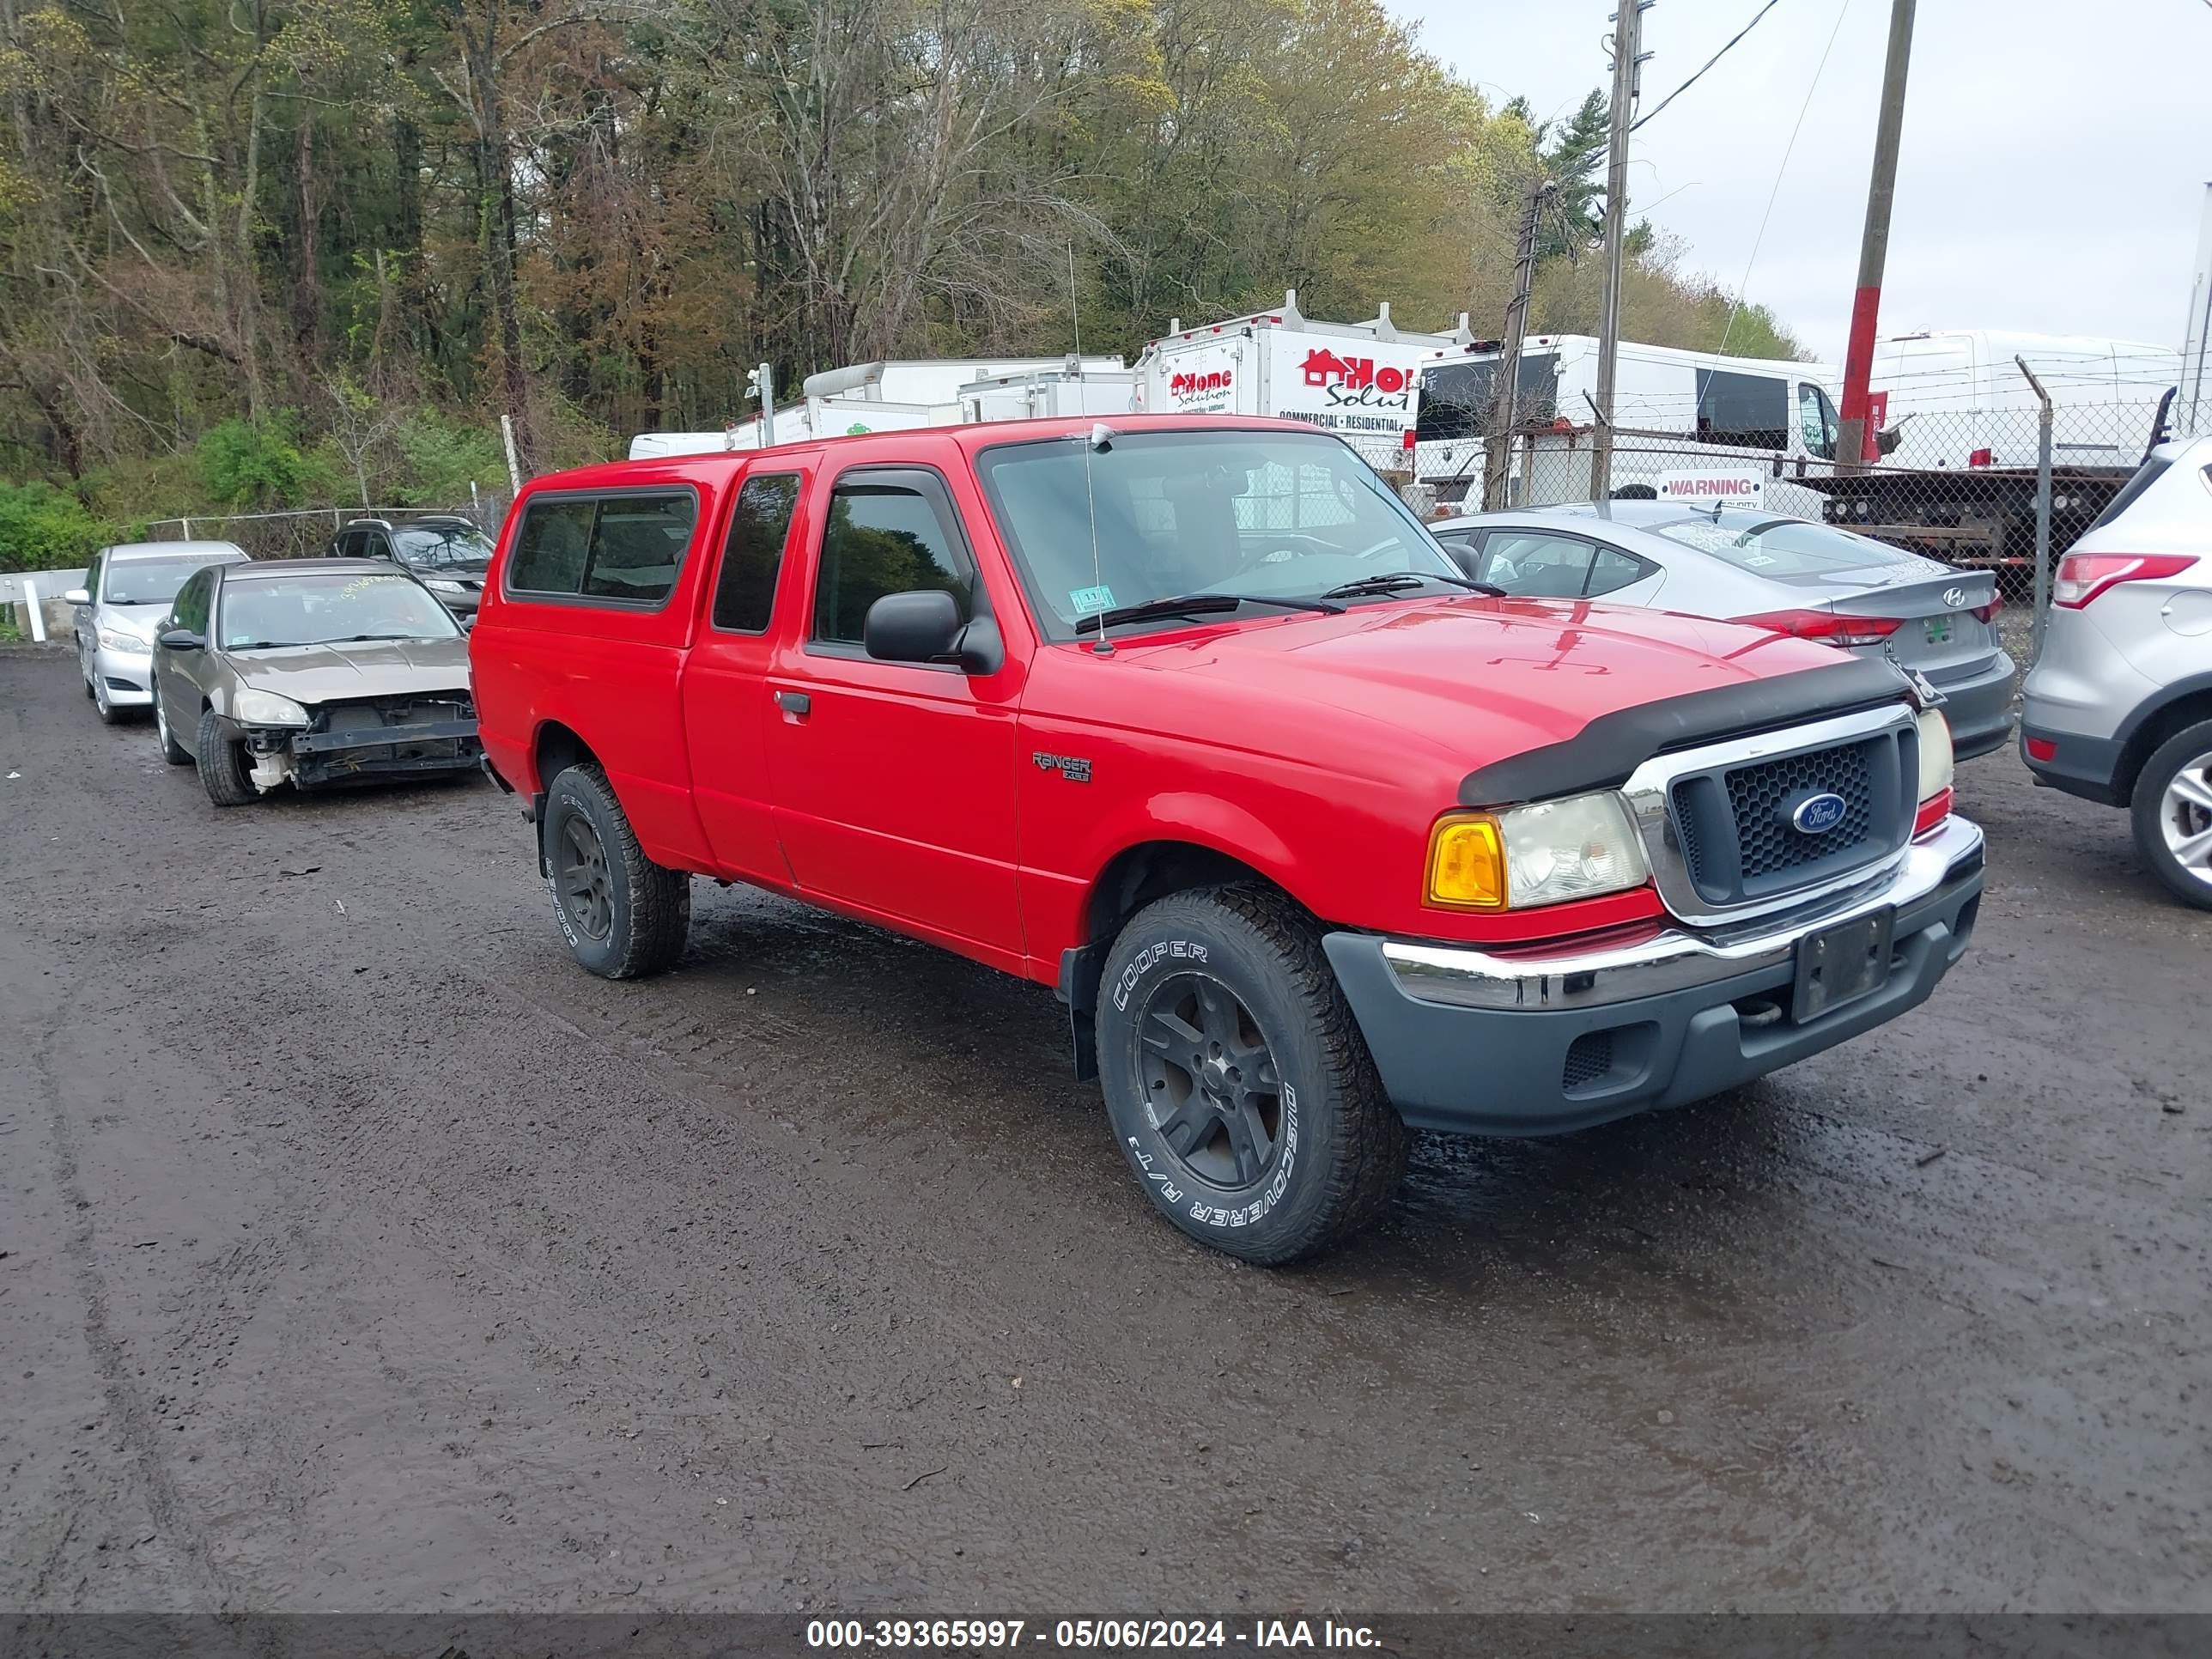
[1212,1003]
[171,750]
[108,713]
[2173,812]
[623,915]
[222,761]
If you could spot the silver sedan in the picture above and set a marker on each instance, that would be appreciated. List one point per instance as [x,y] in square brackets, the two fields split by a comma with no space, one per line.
[1789,574]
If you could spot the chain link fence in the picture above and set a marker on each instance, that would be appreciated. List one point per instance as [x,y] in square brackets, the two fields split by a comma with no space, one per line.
[1960,485]
[311,532]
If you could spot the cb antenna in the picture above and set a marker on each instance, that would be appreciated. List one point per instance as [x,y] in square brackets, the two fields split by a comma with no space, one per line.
[1098,441]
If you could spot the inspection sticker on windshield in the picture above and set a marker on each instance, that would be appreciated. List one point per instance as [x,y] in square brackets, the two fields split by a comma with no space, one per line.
[1089,601]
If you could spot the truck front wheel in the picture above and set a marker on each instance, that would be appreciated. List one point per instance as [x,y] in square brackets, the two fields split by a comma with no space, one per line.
[1240,1090]
[624,916]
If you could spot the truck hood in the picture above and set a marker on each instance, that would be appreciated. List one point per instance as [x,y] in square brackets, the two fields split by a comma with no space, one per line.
[1469,681]
[312,674]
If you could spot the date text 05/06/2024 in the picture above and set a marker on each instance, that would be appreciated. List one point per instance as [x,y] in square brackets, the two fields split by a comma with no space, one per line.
[1108,1634]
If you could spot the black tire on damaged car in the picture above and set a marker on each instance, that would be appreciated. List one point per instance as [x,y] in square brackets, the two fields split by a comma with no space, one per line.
[172,751]
[631,921]
[1240,968]
[221,763]
[2150,808]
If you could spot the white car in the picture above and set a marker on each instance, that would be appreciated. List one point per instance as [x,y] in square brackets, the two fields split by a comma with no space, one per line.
[126,593]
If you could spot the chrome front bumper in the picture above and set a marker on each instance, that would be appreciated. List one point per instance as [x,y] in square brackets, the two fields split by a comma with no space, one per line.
[1945,859]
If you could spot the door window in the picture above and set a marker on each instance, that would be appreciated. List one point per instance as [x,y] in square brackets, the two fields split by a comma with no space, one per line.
[744,594]
[1530,564]
[92,576]
[884,538]
[1816,418]
[191,608]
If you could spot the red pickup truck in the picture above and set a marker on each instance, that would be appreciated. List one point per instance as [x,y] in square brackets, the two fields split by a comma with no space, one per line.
[1190,719]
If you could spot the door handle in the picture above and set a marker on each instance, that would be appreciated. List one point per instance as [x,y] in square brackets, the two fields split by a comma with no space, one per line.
[796,703]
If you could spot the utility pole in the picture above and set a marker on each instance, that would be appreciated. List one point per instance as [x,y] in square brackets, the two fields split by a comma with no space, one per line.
[1873,246]
[1505,386]
[1628,37]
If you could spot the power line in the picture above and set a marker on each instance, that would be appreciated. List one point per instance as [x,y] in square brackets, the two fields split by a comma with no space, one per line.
[1744,286]
[1712,60]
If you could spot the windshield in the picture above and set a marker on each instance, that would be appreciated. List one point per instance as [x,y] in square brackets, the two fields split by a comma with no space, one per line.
[1783,547]
[149,581]
[1272,514]
[445,545]
[266,611]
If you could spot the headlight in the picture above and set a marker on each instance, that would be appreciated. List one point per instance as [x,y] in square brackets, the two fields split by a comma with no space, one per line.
[1546,854]
[114,639]
[252,707]
[439,585]
[1935,753]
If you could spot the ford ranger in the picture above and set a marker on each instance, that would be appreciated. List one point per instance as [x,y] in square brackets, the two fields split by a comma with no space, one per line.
[1190,719]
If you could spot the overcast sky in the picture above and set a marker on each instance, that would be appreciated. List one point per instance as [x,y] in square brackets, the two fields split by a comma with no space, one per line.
[2052,178]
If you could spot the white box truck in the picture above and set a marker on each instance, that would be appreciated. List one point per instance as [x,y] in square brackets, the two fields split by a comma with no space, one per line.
[1355,379]
[889,395]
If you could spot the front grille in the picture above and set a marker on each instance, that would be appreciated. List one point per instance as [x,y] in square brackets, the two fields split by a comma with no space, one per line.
[1763,797]
[1733,825]
[1590,1057]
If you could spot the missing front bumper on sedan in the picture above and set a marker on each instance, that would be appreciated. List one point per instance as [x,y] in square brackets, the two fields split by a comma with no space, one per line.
[349,742]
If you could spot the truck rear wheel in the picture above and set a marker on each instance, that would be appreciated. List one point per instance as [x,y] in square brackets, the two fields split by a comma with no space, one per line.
[2172,814]
[1240,1090]
[624,916]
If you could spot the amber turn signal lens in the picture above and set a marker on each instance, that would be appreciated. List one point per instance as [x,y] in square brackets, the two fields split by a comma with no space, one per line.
[1466,865]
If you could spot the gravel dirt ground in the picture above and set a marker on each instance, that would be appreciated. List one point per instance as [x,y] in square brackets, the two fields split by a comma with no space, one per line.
[358,1251]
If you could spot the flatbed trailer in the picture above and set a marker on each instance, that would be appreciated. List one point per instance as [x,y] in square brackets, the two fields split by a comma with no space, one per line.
[1976,518]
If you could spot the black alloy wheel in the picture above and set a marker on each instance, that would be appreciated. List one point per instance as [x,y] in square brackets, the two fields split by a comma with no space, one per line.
[1212,1085]
[580,877]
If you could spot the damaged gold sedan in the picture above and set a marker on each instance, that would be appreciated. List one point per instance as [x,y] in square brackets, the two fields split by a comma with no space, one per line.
[310,673]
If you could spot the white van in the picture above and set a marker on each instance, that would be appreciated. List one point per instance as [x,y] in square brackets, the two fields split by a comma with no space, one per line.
[1719,422]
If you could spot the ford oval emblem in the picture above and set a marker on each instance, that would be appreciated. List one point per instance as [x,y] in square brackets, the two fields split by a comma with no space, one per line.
[1816,815]
[1955,597]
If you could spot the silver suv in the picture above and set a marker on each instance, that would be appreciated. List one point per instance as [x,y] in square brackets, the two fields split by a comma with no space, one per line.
[2118,707]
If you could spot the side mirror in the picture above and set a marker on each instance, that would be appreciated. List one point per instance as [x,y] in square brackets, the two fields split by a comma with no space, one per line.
[182,638]
[920,626]
[76,596]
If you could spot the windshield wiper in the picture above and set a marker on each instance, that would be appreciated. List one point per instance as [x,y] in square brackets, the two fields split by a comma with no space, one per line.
[1196,604]
[1396,582]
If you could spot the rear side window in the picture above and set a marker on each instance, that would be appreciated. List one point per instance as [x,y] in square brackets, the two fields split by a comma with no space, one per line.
[2146,475]
[744,596]
[1751,409]
[886,537]
[623,548]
